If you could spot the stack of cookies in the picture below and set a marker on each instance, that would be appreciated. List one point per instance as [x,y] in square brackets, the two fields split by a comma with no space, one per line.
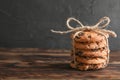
[90,51]
[90,44]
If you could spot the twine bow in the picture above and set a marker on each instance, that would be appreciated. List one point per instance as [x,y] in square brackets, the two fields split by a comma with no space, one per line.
[98,28]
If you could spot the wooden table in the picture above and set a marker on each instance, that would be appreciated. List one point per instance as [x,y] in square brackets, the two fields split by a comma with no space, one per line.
[37,64]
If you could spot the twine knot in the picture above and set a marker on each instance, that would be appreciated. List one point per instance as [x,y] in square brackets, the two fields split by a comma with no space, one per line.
[98,28]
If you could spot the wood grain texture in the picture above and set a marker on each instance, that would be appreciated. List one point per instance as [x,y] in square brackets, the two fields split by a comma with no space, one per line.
[34,63]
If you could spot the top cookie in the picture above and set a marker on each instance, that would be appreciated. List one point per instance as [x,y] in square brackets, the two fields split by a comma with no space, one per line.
[88,36]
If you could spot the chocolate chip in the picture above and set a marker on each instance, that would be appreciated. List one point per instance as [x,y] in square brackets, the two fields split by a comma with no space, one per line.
[94,50]
[84,56]
[88,44]
[100,57]
[97,42]
[89,36]
[93,65]
[83,42]
[103,47]
[78,53]
[80,64]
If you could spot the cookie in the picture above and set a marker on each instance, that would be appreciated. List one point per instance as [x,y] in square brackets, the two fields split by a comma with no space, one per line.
[92,50]
[99,53]
[89,56]
[88,36]
[88,66]
[89,60]
[93,57]
[94,45]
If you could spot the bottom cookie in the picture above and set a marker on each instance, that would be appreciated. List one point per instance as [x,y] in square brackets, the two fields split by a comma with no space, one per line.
[90,60]
[88,66]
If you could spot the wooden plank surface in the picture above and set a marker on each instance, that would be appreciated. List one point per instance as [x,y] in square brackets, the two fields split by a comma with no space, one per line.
[34,63]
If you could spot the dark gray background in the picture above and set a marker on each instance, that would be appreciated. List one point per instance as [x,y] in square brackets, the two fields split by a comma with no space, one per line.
[27,23]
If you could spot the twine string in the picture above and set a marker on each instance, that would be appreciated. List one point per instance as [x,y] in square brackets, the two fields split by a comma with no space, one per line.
[102,21]
[98,27]
[70,19]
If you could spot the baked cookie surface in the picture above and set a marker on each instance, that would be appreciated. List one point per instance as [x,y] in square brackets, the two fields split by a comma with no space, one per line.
[89,60]
[88,36]
[99,53]
[95,45]
[88,66]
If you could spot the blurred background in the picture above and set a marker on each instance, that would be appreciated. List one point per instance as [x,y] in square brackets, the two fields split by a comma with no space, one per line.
[27,23]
